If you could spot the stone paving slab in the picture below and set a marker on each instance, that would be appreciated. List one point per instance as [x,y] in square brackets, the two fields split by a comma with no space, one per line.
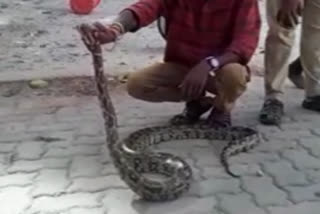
[53,159]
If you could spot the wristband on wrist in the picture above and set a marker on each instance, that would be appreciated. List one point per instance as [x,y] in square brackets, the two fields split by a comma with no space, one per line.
[116,32]
[119,26]
[118,29]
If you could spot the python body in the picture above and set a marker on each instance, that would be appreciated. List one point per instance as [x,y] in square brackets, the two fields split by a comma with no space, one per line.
[132,156]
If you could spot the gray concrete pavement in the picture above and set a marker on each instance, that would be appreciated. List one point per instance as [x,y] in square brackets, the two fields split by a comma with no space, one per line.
[53,159]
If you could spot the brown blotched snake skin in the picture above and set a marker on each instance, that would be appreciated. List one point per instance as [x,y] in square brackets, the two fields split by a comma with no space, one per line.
[133,157]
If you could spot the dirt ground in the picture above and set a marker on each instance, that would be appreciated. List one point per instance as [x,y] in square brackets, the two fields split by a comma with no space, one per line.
[68,86]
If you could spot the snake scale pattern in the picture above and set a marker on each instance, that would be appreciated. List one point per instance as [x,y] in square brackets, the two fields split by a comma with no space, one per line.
[133,157]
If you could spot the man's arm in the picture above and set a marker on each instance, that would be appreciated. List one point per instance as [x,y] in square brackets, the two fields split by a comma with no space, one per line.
[140,14]
[228,57]
[245,40]
[130,19]
[246,33]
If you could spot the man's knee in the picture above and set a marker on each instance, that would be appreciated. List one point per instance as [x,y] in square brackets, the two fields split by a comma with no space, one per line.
[135,85]
[232,80]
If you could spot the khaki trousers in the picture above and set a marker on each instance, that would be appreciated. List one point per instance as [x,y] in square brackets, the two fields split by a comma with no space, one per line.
[159,83]
[279,43]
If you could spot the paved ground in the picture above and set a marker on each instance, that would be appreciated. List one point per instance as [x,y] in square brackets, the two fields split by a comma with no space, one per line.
[52,151]
[53,160]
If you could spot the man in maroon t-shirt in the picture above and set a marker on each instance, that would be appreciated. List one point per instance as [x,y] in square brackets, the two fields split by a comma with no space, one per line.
[209,44]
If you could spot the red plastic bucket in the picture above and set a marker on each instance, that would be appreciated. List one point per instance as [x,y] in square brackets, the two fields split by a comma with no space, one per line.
[83,6]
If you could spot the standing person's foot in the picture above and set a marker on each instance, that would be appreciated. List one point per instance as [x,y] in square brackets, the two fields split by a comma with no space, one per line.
[192,112]
[271,112]
[219,118]
[312,103]
[295,73]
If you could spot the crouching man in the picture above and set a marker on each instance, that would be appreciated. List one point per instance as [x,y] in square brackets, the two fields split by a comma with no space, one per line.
[208,46]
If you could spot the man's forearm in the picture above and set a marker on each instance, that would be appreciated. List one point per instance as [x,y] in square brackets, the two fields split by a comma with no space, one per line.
[128,20]
[227,58]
